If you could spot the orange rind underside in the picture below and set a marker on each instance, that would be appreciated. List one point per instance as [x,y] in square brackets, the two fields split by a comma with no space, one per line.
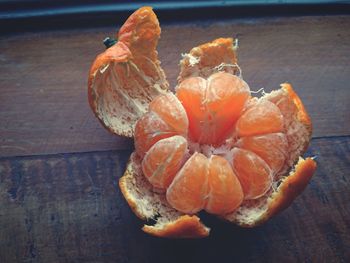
[211,146]
[125,78]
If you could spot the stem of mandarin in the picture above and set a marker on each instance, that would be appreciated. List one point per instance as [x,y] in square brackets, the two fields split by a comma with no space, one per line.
[108,42]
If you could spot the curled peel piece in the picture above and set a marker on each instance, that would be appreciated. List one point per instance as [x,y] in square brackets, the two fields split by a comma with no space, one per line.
[184,227]
[297,126]
[125,78]
[206,59]
[302,115]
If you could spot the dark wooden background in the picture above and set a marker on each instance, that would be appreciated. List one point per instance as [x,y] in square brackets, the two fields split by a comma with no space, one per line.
[59,199]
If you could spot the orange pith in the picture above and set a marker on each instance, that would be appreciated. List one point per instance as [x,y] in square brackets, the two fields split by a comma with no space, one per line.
[214,112]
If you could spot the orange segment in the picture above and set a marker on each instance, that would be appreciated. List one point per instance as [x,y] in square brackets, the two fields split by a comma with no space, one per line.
[163,161]
[166,118]
[150,129]
[212,106]
[187,193]
[169,109]
[225,191]
[191,93]
[264,117]
[226,96]
[253,173]
[272,148]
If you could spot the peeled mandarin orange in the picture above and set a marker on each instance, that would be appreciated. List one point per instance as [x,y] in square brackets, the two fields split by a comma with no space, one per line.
[211,147]
[216,107]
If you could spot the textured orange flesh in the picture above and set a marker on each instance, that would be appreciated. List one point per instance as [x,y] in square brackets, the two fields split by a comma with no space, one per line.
[166,118]
[272,148]
[163,161]
[225,192]
[150,129]
[187,193]
[169,109]
[264,117]
[205,183]
[252,172]
[212,105]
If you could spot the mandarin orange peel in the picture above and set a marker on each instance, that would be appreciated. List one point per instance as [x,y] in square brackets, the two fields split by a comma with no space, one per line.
[212,146]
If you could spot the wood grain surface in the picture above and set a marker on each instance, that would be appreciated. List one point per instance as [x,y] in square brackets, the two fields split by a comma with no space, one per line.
[43,99]
[59,168]
[68,208]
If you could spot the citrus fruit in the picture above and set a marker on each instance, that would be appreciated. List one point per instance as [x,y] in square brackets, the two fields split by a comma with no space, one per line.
[212,145]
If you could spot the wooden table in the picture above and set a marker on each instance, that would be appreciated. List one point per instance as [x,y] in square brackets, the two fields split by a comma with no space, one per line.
[59,198]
